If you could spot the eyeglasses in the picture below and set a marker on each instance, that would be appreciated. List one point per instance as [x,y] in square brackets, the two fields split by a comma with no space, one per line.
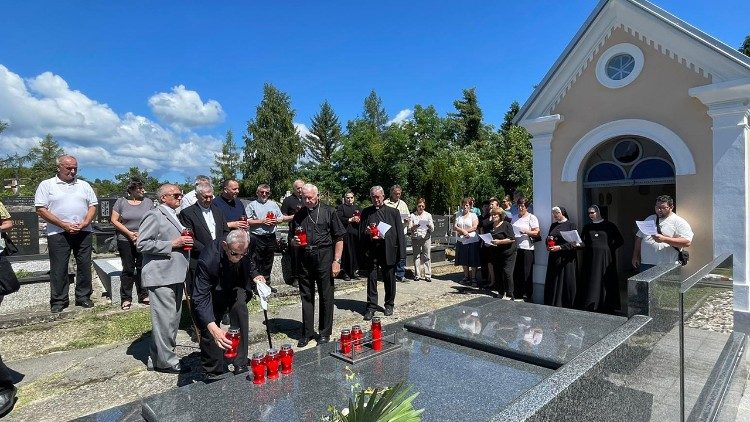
[233,253]
[264,192]
[592,212]
[349,197]
[175,195]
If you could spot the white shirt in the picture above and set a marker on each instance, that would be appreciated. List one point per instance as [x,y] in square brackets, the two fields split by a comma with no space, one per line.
[69,202]
[466,222]
[655,253]
[171,212]
[189,199]
[402,208]
[526,223]
[208,216]
[422,231]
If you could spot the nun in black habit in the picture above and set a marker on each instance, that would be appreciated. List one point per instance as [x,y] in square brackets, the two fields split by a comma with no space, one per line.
[560,280]
[601,238]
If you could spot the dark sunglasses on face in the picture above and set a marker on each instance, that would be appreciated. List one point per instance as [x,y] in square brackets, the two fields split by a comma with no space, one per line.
[175,195]
[233,253]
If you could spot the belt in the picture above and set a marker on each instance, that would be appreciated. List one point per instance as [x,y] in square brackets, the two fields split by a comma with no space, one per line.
[316,248]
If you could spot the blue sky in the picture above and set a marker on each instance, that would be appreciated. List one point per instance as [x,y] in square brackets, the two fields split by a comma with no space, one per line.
[157,84]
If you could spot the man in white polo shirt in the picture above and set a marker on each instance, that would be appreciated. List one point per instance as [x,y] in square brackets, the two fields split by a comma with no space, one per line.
[68,205]
[674,233]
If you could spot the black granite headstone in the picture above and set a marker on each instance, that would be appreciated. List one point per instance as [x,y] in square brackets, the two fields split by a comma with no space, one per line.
[25,232]
[104,210]
[442,226]
[22,201]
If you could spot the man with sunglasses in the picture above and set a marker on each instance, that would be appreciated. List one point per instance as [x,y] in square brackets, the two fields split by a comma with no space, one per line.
[165,264]
[263,214]
[224,281]
[68,205]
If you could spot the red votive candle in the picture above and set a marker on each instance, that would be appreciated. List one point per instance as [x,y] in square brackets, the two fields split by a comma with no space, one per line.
[234,336]
[258,366]
[270,215]
[187,232]
[357,213]
[272,363]
[377,334]
[357,337]
[301,235]
[374,232]
[287,358]
[346,342]
[550,242]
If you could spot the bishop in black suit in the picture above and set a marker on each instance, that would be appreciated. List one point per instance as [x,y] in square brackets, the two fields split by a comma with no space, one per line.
[383,253]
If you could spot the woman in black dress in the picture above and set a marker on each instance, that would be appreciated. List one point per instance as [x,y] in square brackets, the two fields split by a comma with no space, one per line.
[349,213]
[601,238]
[560,281]
[503,253]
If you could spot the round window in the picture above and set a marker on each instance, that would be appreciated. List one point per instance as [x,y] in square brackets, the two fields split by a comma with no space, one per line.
[619,65]
[627,151]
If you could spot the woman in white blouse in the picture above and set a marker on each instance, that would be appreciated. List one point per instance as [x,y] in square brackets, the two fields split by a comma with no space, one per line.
[526,228]
[467,247]
[421,228]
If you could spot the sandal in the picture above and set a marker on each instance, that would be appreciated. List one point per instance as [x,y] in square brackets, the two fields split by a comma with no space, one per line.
[126,305]
[144,300]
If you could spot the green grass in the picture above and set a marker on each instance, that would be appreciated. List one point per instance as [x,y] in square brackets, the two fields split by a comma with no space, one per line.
[99,328]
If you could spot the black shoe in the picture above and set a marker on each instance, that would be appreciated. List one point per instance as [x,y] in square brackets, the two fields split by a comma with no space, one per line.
[57,309]
[7,398]
[324,339]
[85,303]
[369,314]
[346,277]
[273,289]
[303,342]
[429,280]
[177,369]
[388,310]
[240,369]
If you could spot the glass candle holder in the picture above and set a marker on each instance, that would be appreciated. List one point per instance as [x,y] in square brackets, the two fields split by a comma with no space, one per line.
[270,215]
[374,232]
[301,235]
[550,242]
[377,334]
[232,335]
[189,233]
[357,213]
[258,366]
[287,358]
[346,342]
[272,363]
[357,337]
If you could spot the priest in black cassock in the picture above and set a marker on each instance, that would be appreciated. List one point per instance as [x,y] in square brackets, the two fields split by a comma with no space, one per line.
[349,214]
[384,252]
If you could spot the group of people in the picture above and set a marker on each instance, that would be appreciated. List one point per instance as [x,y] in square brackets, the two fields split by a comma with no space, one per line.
[506,254]
[217,251]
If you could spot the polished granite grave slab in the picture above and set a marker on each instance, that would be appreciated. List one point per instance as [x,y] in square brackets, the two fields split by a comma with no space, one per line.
[541,335]
[452,382]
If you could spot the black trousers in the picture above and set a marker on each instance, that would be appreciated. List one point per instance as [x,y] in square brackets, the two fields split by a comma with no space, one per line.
[235,300]
[389,281]
[132,264]
[315,270]
[485,260]
[349,260]
[264,246]
[60,246]
[523,275]
[502,265]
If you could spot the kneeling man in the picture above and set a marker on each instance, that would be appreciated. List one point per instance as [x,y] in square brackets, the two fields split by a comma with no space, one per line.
[224,281]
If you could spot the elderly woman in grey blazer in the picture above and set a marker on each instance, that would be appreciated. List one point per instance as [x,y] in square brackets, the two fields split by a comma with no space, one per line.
[165,263]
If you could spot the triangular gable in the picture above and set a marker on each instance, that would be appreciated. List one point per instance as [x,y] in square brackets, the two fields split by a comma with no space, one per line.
[663,31]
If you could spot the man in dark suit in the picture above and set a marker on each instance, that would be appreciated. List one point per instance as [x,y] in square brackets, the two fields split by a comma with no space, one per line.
[383,252]
[225,279]
[165,263]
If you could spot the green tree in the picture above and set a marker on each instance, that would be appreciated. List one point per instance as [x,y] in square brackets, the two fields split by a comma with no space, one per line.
[122,179]
[227,162]
[43,157]
[325,135]
[469,118]
[745,48]
[374,112]
[272,144]
[516,170]
[509,116]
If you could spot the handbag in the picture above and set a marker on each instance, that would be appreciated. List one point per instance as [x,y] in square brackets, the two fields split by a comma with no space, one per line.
[8,280]
[10,248]
[683,256]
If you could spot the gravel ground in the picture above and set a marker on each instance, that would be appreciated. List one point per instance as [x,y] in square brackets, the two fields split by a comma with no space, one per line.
[716,314]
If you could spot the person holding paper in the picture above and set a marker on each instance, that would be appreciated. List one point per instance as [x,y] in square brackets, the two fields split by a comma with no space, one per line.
[381,249]
[673,233]
[421,227]
[503,254]
[526,228]
[224,281]
[560,280]
[395,201]
[467,249]
[601,238]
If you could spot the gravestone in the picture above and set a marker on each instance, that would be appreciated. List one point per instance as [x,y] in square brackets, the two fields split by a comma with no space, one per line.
[19,201]
[104,210]
[25,232]
[442,228]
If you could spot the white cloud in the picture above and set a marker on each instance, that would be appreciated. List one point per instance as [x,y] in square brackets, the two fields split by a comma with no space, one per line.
[302,130]
[184,108]
[92,131]
[401,117]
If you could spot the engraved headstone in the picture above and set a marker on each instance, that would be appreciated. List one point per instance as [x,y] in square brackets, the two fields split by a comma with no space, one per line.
[25,232]
[442,226]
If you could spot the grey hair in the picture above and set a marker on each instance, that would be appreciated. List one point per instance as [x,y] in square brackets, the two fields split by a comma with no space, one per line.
[201,179]
[394,187]
[60,159]
[298,181]
[263,186]
[163,190]
[237,236]
[377,188]
[310,186]
[203,188]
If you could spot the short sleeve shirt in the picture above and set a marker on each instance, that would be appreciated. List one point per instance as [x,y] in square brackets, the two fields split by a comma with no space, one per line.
[131,215]
[69,202]
[232,210]
[256,210]
[527,222]
[655,253]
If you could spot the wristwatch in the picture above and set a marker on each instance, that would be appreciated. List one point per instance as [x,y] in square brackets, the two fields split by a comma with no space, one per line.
[338,261]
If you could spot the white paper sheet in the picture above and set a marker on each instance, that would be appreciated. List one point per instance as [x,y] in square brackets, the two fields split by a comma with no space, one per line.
[647,227]
[423,224]
[264,292]
[383,229]
[468,240]
[487,237]
[571,236]
[404,217]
